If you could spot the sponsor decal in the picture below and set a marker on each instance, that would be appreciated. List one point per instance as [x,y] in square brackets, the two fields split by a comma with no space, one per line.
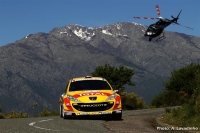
[91,94]
[93,105]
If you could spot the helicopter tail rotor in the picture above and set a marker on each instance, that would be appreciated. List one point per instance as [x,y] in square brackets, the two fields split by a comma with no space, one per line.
[179,14]
[176,19]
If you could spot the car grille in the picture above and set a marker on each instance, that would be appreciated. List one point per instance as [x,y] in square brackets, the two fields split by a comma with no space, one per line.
[87,107]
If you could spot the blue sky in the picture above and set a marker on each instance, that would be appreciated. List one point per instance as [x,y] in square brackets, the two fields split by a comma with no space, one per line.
[21,17]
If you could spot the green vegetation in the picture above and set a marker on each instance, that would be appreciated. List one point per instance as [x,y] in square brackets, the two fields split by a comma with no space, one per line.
[182,88]
[130,101]
[168,98]
[118,77]
[2,116]
[45,112]
[184,116]
[13,114]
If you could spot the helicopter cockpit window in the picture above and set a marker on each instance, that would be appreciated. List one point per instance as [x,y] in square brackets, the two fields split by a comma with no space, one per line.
[149,33]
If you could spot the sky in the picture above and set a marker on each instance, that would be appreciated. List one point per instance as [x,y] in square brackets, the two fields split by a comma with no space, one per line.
[21,17]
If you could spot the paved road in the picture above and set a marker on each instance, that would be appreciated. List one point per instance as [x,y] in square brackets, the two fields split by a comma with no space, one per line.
[82,125]
[138,121]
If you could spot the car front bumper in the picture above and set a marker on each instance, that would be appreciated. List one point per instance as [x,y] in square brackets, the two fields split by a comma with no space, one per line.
[80,113]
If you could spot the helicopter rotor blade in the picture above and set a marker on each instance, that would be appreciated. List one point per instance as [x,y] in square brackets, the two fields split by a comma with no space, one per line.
[183,26]
[148,18]
[158,11]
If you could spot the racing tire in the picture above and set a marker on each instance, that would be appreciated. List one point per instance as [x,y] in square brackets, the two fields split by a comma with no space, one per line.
[61,111]
[63,114]
[117,116]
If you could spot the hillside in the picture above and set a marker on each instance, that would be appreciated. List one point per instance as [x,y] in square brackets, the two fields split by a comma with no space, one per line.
[38,66]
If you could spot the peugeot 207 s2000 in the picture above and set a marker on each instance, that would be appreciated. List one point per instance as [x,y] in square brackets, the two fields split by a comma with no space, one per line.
[90,96]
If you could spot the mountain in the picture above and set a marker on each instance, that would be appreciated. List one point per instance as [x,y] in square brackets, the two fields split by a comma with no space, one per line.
[37,67]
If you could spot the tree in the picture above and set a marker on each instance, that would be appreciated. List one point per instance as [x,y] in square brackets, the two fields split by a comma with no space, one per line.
[167,98]
[117,77]
[182,87]
[184,79]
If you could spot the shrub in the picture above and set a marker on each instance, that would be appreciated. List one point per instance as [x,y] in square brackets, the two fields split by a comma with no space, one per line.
[130,101]
[13,114]
[169,98]
[168,110]
[2,116]
[45,112]
[196,97]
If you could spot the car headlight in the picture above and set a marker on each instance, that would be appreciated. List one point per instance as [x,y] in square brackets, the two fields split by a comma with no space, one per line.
[71,98]
[111,97]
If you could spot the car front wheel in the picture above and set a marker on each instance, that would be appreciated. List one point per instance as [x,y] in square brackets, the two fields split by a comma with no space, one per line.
[118,116]
[61,111]
[63,114]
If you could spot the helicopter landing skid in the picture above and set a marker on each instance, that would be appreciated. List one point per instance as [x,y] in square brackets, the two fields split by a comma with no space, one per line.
[160,38]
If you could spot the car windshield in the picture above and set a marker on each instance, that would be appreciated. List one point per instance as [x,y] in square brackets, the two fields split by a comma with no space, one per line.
[89,85]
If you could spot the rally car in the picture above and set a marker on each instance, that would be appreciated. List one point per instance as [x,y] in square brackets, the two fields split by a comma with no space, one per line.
[90,96]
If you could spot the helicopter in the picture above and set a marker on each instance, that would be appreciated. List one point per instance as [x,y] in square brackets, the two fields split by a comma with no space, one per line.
[156,29]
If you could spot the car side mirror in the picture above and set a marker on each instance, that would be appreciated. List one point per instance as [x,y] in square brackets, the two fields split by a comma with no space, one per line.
[61,98]
[63,95]
[116,91]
